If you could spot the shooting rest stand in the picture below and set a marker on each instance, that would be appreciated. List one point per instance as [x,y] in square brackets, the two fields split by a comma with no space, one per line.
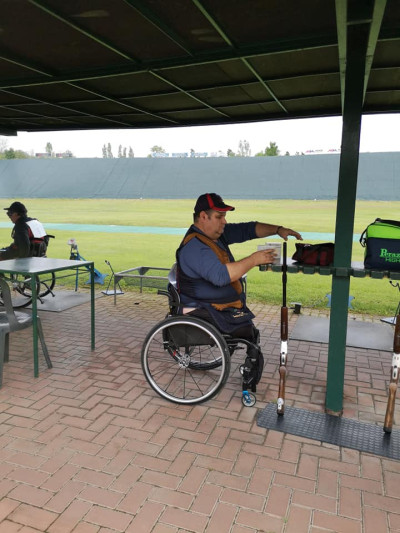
[115,291]
[76,256]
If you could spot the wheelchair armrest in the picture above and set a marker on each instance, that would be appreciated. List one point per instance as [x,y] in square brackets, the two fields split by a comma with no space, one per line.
[173,298]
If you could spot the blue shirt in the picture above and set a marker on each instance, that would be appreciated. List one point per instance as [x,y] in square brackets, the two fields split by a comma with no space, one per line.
[199,262]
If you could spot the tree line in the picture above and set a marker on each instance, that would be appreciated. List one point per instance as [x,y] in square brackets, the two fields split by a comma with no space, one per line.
[10,153]
[122,151]
[243,150]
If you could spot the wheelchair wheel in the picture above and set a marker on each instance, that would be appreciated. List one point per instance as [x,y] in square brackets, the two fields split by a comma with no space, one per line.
[185,360]
[47,285]
[20,290]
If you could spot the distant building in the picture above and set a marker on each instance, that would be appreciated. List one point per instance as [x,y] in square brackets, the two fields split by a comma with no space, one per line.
[64,154]
[321,151]
[199,154]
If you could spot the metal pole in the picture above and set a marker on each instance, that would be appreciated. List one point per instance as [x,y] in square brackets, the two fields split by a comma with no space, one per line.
[35,326]
[92,308]
[357,39]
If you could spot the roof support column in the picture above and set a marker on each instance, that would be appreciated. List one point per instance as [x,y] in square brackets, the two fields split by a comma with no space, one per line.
[357,40]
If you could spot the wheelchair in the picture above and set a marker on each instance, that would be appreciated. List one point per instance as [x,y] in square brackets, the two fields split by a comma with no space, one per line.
[20,285]
[187,360]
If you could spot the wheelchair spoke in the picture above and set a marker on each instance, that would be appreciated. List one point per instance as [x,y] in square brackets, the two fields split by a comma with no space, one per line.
[211,360]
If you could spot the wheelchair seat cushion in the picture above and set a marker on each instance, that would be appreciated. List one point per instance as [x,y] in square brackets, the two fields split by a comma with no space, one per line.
[186,335]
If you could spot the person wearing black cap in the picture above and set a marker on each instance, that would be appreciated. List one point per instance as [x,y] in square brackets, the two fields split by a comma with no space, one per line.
[209,279]
[28,234]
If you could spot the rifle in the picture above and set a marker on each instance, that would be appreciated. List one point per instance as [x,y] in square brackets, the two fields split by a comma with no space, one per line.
[284,337]
[394,378]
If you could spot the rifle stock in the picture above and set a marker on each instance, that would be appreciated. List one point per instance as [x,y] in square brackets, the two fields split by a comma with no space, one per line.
[394,379]
[284,324]
[284,338]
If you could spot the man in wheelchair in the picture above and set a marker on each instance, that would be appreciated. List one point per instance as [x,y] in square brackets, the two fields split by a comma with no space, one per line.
[29,236]
[209,280]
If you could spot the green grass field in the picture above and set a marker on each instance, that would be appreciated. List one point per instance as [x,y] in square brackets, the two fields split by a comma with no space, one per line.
[128,250]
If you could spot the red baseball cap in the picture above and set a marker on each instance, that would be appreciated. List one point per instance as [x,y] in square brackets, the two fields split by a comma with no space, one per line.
[211,201]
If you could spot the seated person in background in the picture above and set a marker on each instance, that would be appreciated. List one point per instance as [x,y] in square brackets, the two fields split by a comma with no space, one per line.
[29,236]
[208,277]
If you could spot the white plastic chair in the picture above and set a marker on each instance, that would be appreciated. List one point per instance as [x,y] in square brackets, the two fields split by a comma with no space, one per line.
[11,320]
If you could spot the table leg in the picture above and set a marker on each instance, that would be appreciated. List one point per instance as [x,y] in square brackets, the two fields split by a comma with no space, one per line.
[92,313]
[34,326]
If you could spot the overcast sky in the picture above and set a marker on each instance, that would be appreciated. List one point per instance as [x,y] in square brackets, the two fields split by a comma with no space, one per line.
[380,133]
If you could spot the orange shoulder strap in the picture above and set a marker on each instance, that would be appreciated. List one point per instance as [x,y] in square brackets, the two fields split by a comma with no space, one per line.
[221,254]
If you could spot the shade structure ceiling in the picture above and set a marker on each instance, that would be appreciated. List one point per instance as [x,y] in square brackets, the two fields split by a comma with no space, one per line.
[105,64]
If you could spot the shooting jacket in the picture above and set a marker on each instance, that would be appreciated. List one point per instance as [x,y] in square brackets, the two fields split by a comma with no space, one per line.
[186,284]
[27,234]
[226,302]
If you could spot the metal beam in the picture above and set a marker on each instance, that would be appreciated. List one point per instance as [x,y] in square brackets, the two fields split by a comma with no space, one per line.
[25,119]
[189,94]
[22,62]
[231,45]
[92,36]
[41,101]
[341,25]
[124,104]
[96,93]
[150,16]
[222,86]
[208,58]
[377,17]
[70,103]
[356,13]
[180,109]
[265,85]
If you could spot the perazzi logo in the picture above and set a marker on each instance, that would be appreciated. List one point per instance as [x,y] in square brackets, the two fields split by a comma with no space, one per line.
[389,256]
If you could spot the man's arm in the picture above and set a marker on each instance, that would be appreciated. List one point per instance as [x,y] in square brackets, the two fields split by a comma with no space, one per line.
[266,230]
[21,245]
[262,257]
[197,260]
[237,269]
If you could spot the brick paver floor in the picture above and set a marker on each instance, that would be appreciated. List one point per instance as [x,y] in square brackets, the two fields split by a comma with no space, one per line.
[88,447]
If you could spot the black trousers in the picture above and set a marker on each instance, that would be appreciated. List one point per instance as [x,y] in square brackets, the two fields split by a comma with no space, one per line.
[247,332]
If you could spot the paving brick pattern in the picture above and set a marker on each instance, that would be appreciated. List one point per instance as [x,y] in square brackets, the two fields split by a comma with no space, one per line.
[88,447]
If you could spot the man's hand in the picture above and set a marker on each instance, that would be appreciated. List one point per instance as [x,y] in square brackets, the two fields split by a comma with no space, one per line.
[287,232]
[263,257]
[267,230]
[238,268]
